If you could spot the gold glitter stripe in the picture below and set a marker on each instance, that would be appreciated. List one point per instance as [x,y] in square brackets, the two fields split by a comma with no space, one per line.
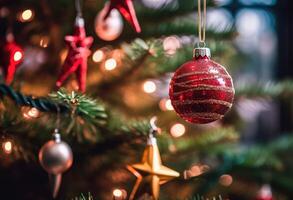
[191,86]
[204,115]
[206,87]
[207,101]
[206,78]
[201,73]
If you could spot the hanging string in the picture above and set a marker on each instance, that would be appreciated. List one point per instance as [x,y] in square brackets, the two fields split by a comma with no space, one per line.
[78,8]
[58,117]
[202,21]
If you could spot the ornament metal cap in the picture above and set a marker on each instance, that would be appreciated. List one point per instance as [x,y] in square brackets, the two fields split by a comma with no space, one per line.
[201,52]
[151,140]
[79,21]
[56,136]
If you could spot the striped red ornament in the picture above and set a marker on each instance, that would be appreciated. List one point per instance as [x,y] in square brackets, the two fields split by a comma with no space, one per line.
[201,90]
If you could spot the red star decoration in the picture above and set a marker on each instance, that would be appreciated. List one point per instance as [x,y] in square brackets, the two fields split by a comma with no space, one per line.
[76,60]
[11,55]
[125,7]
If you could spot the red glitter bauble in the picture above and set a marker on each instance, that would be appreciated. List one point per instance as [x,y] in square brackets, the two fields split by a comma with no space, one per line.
[201,90]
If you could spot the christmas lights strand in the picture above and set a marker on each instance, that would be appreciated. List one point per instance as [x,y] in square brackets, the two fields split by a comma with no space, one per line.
[41,104]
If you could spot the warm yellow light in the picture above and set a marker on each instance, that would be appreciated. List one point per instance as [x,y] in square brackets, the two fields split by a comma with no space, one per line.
[165,104]
[17,56]
[149,87]
[117,193]
[110,64]
[169,105]
[30,113]
[177,130]
[44,42]
[7,147]
[226,180]
[27,15]
[171,44]
[98,56]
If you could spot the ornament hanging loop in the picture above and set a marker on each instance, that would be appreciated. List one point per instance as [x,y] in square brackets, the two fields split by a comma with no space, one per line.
[154,130]
[202,21]
[78,8]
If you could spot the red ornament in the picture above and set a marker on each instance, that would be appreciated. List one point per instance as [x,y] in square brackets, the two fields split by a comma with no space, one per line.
[125,7]
[11,55]
[265,193]
[201,90]
[76,60]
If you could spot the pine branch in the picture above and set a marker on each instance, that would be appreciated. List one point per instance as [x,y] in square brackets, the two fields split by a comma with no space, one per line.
[84,197]
[137,53]
[282,89]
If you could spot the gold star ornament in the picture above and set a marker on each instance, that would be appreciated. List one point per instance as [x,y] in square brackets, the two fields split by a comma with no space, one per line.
[151,168]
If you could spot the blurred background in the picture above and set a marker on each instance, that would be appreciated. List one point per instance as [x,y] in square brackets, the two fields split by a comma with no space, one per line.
[246,155]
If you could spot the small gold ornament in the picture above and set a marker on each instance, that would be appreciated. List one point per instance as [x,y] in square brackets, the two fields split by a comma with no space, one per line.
[152,169]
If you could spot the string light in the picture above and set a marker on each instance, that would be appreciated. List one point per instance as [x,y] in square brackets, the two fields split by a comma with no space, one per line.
[149,87]
[7,146]
[119,194]
[177,130]
[110,64]
[98,56]
[169,105]
[44,42]
[171,44]
[30,113]
[165,104]
[26,15]
[226,180]
[17,56]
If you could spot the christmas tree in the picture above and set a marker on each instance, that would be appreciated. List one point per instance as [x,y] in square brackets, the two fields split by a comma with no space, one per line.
[91,107]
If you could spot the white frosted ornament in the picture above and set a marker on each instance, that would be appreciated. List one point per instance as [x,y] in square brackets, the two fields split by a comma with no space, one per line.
[110,28]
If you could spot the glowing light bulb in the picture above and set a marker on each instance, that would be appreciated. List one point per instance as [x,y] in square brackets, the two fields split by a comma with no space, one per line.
[177,130]
[110,64]
[26,15]
[98,56]
[7,147]
[44,42]
[168,105]
[226,180]
[30,113]
[119,194]
[149,87]
[17,56]
[171,44]
[165,104]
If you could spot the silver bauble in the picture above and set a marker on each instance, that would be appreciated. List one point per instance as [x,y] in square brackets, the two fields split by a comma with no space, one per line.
[56,156]
[110,28]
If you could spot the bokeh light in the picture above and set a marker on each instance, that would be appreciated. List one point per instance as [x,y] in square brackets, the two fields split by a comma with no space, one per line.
[119,194]
[26,15]
[7,146]
[30,113]
[226,180]
[171,44]
[177,130]
[110,64]
[44,41]
[17,56]
[165,104]
[149,87]
[98,56]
